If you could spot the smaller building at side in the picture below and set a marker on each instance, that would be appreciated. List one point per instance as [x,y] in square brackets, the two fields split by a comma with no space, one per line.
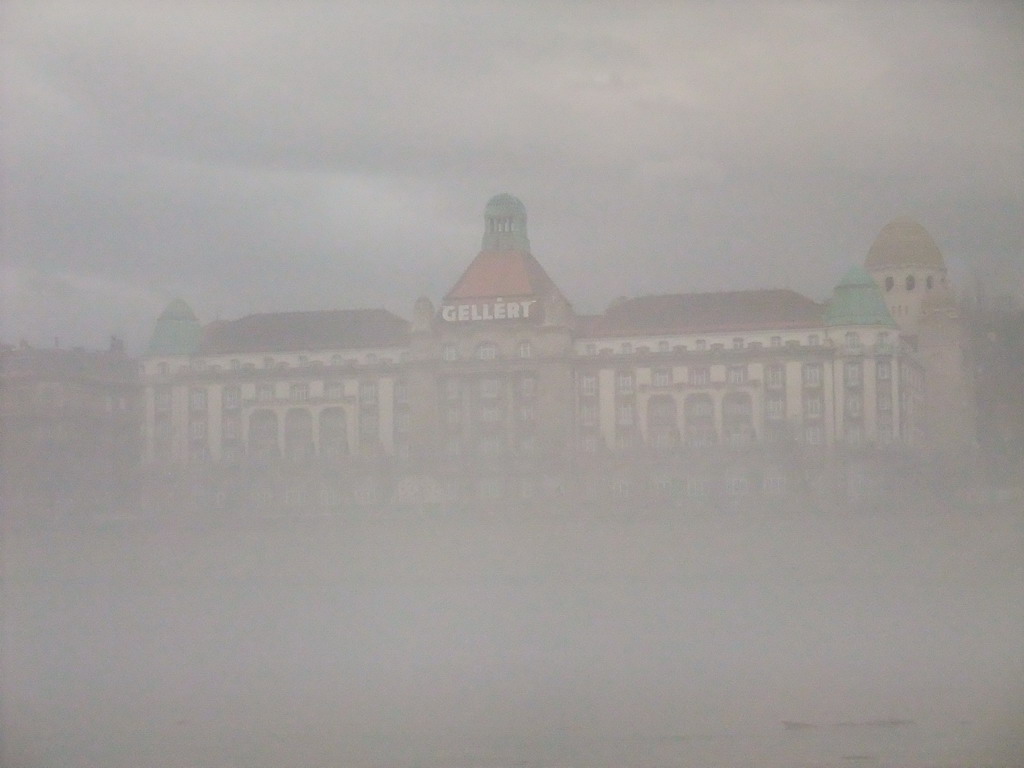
[72,425]
[501,391]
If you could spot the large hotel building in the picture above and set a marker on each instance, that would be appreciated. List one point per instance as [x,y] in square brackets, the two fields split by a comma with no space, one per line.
[501,391]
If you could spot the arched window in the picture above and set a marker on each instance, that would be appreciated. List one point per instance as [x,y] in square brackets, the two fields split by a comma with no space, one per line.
[910,282]
[889,283]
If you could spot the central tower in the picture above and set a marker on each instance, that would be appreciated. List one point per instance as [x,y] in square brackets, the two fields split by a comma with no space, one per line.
[505,225]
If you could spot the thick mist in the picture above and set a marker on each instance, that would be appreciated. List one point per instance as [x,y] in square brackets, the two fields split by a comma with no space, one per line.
[545,638]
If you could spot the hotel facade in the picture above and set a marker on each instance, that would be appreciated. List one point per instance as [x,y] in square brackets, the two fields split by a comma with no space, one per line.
[502,391]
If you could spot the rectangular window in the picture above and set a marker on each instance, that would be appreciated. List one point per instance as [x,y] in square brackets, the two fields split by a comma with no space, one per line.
[884,402]
[699,376]
[737,374]
[588,415]
[812,407]
[624,415]
[812,375]
[197,400]
[527,387]
[624,383]
[402,421]
[852,374]
[776,341]
[265,393]
[368,393]
[401,392]
[776,408]
[775,377]
[490,388]
[232,398]
[527,414]
[299,392]
[884,370]
[230,428]
[197,430]
[334,390]
[737,343]
[449,353]
[588,385]
[662,377]
[853,406]
[162,399]
[813,434]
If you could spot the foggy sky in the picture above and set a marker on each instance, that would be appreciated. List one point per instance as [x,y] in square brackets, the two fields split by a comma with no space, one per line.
[272,156]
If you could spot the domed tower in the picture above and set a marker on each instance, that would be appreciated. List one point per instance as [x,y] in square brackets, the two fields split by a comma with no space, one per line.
[177,331]
[505,225]
[908,267]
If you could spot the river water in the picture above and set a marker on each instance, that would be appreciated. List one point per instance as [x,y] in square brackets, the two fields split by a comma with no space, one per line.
[515,639]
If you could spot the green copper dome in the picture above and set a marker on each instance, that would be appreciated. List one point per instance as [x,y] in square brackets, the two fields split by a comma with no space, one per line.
[505,224]
[857,301]
[177,331]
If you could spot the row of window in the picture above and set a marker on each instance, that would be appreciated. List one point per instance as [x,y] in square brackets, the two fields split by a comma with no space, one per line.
[270,363]
[700,345]
[910,283]
[488,387]
[267,393]
[486,350]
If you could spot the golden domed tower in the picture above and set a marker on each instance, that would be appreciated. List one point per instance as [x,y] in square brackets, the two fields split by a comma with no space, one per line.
[908,267]
[910,271]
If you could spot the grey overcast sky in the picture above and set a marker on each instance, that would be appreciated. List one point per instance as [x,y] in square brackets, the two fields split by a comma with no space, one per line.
[262,156]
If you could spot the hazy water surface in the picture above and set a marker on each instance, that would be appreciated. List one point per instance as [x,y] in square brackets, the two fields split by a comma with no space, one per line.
[516,639]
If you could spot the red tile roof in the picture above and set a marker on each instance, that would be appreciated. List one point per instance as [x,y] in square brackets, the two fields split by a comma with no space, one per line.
[495,274]
[706,312]
[293,331]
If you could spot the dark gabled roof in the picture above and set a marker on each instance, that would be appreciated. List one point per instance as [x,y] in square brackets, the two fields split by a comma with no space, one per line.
[769,309]
[294,331]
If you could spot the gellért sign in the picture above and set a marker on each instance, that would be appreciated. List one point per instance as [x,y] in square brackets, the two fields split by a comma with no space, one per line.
[493,310]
